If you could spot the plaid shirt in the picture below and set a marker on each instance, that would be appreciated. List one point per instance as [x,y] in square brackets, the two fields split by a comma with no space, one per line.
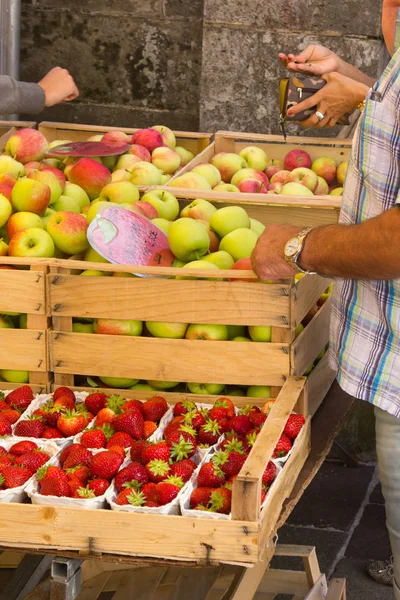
[365,324]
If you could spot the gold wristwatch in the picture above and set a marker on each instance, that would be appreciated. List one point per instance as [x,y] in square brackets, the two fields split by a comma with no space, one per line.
[293,249]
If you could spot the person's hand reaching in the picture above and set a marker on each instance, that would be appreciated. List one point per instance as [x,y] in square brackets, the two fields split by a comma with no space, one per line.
[58,86]
[314,60]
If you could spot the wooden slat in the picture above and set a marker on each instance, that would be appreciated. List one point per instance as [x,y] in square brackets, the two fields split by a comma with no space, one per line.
[23,349]
[62,324]
[281,581]
[319,590]
[39,321]
[236,303]
[114,532]
[337,590]
[311,341]
[36,388]
[293,550]
[311,567]
[306,292]
[318,383]
[10,560]
[249,581]
[22,291]
[169,360]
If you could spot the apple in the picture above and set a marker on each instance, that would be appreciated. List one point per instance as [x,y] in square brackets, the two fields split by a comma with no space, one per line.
[188,239]
[209,172]
[144,173]
[90,176]
[214,239]
[226,187]
[252,186]
[306,177]
[325,167]
[33,165]
[118,382]
[165,178]
[26,145]
[209,389]
[280,177]
[299,328]
[32,243]
[116,137]
[186,155]
[197,331]
[149,138]
[92,256]
[167,135]
[165,203]
[7,178]
[178,264]
[120,175]
[94,208]
[199,209]
[166,159]
[245,174]
[118,327]
[82,327]
[57,173]
[239,243]
[273,166]
[228,164]
[30,195]
[163,224]
[221,259]
[297,158]
[162,385]
[236,331]
[236,391]
[68,231]
[96,138]
[65,203]
[54,163]
[295,189]
[49,179]
[257,226]
[140,152]
[255,157]
[95,273]
[324,297]
[337,192]
[143,387]
[260,333]
[167,330]
[75,191]
[109,162]
[49,212]
[126,162]
[229,218]
[13,376]
[341,172]
[241,338]
[56,143]
[6,322]
[22,220]
[259,391]
[322,188]
[120,191]
[192,181]
[10,166]
[121,274]
[5,210]
[3,247]
[198,264]
[23,321]
[6,190]
[146,209]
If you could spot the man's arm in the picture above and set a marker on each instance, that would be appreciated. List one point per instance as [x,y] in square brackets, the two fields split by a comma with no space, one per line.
[348,70]
[20,97]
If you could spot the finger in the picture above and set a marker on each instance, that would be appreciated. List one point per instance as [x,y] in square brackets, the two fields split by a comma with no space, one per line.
[305,55]
[333,121]
[324,122]
[308,103]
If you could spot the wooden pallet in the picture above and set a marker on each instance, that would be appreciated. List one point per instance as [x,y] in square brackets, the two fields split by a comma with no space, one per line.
[8,128]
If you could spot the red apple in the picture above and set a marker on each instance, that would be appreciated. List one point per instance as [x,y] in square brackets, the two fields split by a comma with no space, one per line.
[115,137]
[275,188]
[252,186]
[140,151]
[273,166]
[243,264]
[147,209]
[325,167]
[280,177]
[22,220]
[26,145]
[59,174]
[6,190]
[306,177]
[30,195]
[90,176]
[68,231]
[149,138]
[297,158]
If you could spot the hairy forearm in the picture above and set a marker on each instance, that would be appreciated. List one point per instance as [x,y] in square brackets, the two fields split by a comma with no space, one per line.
[368,250]
[354,73]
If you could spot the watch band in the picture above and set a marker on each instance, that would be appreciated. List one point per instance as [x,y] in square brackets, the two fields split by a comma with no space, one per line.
[293,259]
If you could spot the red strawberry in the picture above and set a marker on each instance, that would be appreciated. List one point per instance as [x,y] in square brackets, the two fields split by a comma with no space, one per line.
[110,411]
[137,450]
[5,461]
[184,406]
[65,452]
[201,496]
[75,484]
[3,405]
[269,474]
[130,496]
[187,433]
[94,438]
[210,433]
[228,404]
[167,492]
[235,443]
[264,491]
[257,419]
[80,472]
[78,456]
[180,447]
[51,433]
[149,491]
[63,391]
[10,415]
[65,402]
[158,470]
[133,472]
[41,413]
[283,447]
[217,413]
[51,472]
[120,439]
[183,469]
[55,487]
[21,448]
[230,463]
[99,486]
[3,450]
[5,427]
[95,402]
[210,475]
[71,423]
[148,429]
[33,460]
[131,422]
[220,501]
[14,476]
[105,465]
[53,413]
[240,424]
[251,437]
[32,428]
[129,404]
[293,426]
[20,398]
[159,450]
[155,408]
[195,419]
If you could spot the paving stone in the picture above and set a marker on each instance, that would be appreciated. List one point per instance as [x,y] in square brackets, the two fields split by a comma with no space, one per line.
[334,497]
[138,8]
[183,8]
[377,496]
[370,538]
[359,585]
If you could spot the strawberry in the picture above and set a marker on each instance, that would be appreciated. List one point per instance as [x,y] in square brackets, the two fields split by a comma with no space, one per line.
[63,391]
[201,496]
[105,465]
[33,460]
[10,415]
[4,405]
[226,403]
[32,428]
[283,447]
[230,463]
[158,470]
[195,419]
[110,411]
[293,426]
[269,474]
[148,429]
[251,437]
[210,475]
[99,486]
[210,433]
[95,402]
[63,402]
[3,450]
[183,469]
[159,450]
[51,433]
[234,443]
[80,472]
[264,492]
[131,422]
[151,504]
[71,423]
[132,404]
[55,487]
[105,415]
[120,439]
[257,419]
[78,456]
[187,433]
[14,476]
[217,413]
[94,438]
[65,452]
[53,413]
[75,484]
[149,491]
[240,424]
[137,450]
[5,427]
[133,472]
[181,448]
[220,501]
[132,497]
[41,413]
[51,472]
[155,408]
[21,448]
[5,461]
[20,398]
[118,450]
[167,492]
[184,406]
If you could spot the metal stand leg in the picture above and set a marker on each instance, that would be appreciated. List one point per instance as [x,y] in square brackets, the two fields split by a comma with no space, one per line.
[26,577]
[66,579]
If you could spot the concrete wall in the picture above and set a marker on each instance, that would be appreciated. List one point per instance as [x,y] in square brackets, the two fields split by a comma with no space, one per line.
[190,64]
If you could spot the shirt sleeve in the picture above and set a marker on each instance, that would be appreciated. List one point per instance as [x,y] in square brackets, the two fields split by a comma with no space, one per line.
[20,97]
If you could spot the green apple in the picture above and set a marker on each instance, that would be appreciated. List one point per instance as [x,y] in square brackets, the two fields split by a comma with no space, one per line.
[162,385]
[226,187]
[246,174]
[235,331]
[295,189]
[120,175]
[257,226]
[13,376]
[228,164]
[95,207]
[56,143]
[119,192]
[199,209]
[165,178]
[82,327]
[260,333]
[3,247]
[255,157]
[162,224]
[166,159]
[75,191]
[167,330]
[188,239]
[214,332]
[5,210]
[48,178]
[209,389]
[165,203]
[92,256]
[336,192]
[95,273]
[192,181]
[308,370]
[23,321]
[32,243]
[341,172]
[198,264]
[298,329]
[46,217]
[229,218]
[6,322]
[30,195]
[221,259]
[109,162]
[241,338]
[259,391]
[65,203]
[209,172]
[178,264]
[118,327]
[239,243]
[118,382]
[236,391]
[143,387]
[186,155]
[126,162]
[9,165]
[68,231]
[144,173]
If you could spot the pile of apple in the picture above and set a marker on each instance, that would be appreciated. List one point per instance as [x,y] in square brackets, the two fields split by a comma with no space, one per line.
[251,172]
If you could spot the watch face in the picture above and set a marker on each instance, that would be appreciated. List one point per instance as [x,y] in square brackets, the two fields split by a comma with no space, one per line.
[291,247]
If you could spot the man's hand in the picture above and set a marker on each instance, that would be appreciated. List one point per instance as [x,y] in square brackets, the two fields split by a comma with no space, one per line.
[268,258]
[314,60]
[58,86]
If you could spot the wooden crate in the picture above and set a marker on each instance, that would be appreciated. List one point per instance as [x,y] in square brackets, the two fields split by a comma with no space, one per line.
[24,291]
[8,128]
[240,540]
